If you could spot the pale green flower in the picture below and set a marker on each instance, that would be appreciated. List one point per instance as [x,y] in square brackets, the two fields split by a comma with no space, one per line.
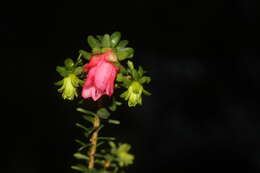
[133,94]
[69,86]
[125,158]
[121,152]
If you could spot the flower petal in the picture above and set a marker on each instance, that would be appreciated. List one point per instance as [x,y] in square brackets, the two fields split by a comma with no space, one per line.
[93,62]
[90,77]
[102,75]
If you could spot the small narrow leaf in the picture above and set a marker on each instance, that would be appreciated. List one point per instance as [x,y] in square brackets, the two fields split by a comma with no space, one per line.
[103,113]
[85,54]
[106,43]
[114,122]
[88,118]
[145,79]
[62,71]
[81,168]
[100,37]
[140,71]
[122,44]
[59,83]
[83,145]
[81,156]
[125,53]
[78,70]
[87,133]
[86,111]
[146,92]
[80,142]
[93,43]
[83,127]
[107,138]
[100,143]
[115,38]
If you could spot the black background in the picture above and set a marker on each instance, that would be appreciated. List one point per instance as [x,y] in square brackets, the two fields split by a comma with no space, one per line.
[204,62]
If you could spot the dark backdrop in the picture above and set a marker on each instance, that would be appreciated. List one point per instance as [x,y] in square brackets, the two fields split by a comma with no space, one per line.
[204,61]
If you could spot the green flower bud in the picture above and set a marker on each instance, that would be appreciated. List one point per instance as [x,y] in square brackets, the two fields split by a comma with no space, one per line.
[69,63]
[133,94]
[69,86]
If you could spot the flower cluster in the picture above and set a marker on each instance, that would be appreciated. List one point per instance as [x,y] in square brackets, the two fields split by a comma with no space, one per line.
[105,66]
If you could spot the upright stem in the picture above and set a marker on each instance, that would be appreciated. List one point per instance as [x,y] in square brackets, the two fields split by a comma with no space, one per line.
[93,141]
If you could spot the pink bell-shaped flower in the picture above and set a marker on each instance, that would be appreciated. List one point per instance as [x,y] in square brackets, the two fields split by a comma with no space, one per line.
[101,76]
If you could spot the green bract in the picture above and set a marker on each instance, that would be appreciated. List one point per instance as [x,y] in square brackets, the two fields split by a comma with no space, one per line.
[102,43]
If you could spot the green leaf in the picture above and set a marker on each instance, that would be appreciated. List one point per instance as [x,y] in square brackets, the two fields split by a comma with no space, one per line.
[100,37]
[59,83]
[81,168]
[130,65]
[145,79]
[119,77]
[146,92]
[125,53]
[135,74]
[100,143]
[88,118]
[86,111]
[115,38]
[103,113]
[83,127]
[112,107]
[62,71]
[81,142]
[80,156]
[140,71]
[85,54]
[83,145]
[112,144]
[78,70]
[114,122]
[87,133]
[122,44]
[69,64]
[106,43]
[93,43]
[107,138]
[118,103]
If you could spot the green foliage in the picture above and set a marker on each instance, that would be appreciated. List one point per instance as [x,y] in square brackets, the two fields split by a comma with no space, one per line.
[122,44]
[85,54]
[106,42]
[103,113]
[69,64]
[93,43]
[114,121]
[81,168]
[115,38]
[87,112]
[62,71]
[124,53]
[81,156]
